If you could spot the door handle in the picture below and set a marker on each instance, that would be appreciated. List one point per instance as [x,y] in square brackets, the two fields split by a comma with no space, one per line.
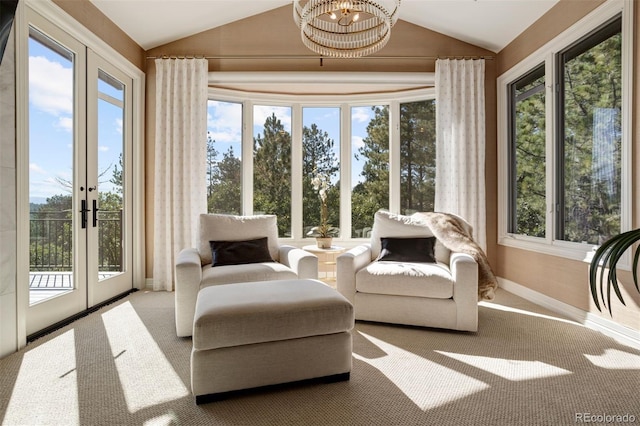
[95,213]
[84,211]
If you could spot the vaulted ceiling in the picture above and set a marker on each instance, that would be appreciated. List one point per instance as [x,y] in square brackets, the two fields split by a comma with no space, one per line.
[490,24]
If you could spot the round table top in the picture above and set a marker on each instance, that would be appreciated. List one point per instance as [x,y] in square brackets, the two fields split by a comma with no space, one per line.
[314,248]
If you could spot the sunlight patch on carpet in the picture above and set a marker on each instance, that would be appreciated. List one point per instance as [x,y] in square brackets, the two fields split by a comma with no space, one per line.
[492,305]
[427,383]
[511,369]
[46,388]
[164,420]
[613,359]
[146,376]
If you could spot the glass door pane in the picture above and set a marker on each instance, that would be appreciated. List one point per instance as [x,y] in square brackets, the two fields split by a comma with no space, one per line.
[109,150]
[51,166]
[110,175]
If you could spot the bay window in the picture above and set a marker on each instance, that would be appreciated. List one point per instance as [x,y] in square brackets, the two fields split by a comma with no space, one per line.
[293,139]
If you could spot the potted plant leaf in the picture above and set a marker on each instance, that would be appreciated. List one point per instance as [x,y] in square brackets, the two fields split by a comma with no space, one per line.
[606,258]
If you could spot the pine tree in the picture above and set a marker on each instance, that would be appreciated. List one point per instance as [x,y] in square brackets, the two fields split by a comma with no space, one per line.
[272,173]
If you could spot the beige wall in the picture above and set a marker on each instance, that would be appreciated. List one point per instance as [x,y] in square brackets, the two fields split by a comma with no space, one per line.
[274,33]
[90,16]
[563,279]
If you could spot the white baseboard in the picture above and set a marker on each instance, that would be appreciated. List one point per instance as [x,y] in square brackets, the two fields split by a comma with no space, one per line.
[622,334]
[148,284]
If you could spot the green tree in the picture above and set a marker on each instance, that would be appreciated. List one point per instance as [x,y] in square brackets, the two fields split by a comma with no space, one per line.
[223,181]
[530,146]
[319,157]
[117,178]
[417,156]
[272,173]
[592,146]
[372,194]
[225,196]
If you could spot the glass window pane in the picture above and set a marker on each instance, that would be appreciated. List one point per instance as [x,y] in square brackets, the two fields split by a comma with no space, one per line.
[591,148]
[369,166]
[272,164]
[527,181]
[417,156]
[224,154]
[321,151]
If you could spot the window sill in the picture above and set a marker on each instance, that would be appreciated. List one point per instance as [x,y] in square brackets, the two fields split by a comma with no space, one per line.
[573,251]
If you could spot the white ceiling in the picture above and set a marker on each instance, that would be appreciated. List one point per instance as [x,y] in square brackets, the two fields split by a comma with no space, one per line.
[491,24]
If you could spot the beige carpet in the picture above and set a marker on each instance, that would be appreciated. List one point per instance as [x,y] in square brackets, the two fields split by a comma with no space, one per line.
[123,365]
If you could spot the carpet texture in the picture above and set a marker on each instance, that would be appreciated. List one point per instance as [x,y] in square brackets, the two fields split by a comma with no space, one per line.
[123,365]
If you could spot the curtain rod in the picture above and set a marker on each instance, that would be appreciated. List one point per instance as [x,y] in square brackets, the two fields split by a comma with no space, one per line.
[249,57]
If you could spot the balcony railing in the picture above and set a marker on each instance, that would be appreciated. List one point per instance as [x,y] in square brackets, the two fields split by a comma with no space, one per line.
[51,241]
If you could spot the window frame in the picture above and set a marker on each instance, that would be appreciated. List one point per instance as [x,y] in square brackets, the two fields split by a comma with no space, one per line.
[548,54]
[299,101]
[532,75]
[590,40]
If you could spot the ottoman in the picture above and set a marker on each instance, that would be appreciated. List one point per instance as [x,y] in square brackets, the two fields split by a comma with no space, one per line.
[249,335]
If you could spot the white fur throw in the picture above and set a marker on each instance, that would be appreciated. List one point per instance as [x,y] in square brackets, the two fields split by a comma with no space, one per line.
[456,235]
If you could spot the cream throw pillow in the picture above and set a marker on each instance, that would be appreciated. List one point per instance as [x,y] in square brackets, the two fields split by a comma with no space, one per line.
[221,227]
[386,224]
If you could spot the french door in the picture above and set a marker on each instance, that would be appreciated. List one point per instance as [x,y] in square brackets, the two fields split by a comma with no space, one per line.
[80,218]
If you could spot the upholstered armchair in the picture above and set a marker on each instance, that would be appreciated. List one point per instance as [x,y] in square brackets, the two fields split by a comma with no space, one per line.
[234,249]
[406,275]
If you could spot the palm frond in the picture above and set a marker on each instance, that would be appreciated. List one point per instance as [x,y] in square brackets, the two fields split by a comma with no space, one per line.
[606,257]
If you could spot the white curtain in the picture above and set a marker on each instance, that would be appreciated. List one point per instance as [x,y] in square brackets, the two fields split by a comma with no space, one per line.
[180,150]
[460,142]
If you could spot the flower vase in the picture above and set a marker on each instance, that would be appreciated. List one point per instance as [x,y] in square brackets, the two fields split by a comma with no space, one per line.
[324,242]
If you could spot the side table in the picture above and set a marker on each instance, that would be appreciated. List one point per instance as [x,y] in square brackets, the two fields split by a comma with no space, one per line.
[326,262]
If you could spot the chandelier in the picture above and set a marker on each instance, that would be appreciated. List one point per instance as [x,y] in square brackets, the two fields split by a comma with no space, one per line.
[345,29]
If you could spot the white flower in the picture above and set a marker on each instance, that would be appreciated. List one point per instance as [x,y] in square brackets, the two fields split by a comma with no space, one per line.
[316,183]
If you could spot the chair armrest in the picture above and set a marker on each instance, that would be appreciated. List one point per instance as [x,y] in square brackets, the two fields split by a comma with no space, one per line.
[188,276]
[464,270]
[347,264]
[303,263]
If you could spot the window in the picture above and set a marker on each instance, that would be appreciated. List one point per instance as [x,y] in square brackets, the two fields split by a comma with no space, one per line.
[224,153]
[369,166]
[589,137]
[417,156]
[295,138]
[564,139]
[321,151]
[527,193]
[272,164]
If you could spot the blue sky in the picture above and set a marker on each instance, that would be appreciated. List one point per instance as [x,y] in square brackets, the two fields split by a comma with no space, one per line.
[51,118]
